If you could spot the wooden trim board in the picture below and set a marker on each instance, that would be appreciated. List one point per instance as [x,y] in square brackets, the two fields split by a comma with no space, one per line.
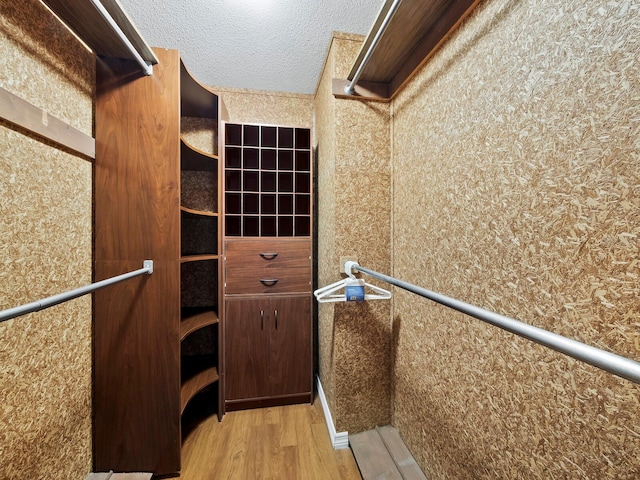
[381,453]
[21,113]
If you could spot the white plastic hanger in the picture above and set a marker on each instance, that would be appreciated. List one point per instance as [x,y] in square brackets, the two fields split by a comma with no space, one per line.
[354,289]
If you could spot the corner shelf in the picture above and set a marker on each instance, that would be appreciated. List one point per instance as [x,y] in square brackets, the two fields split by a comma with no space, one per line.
[203,213]
[196,318]
[200,239]
[196,383]
[194,159]
[198,258]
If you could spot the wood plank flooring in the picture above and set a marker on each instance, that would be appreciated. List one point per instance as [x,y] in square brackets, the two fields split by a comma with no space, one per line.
[284,443]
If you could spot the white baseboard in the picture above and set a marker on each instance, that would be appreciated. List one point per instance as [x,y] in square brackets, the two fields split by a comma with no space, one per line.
[339,440]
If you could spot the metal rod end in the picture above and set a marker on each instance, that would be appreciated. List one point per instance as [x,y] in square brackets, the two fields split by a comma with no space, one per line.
[149,265]
[348,266]
[349,89]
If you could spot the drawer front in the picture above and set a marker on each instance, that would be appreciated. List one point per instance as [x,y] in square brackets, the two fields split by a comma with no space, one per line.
[268,253]
[246,280]
[254,266]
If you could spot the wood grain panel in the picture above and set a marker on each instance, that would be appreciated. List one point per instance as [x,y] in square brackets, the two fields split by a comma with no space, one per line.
[194,319]
[259,266]
[440,30]
[136,370]
[137,191]
[285,252]
[196,383]
[374,460]
[257,279]
[411,20]
[290,366]
[401,455]
[246,361]
[137,216]
[195,159]
[196,100]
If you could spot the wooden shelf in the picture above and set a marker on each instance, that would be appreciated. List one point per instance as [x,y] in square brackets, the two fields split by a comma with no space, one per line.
[194,159]
[84,19]
[412,36]
[195,318]
[202,213]
[196,383]
[197,258]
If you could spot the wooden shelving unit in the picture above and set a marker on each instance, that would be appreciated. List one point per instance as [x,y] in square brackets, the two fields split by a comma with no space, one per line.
[267,181]
[157,197]
[268,204]
[200,242]
[413,35]
[198,258]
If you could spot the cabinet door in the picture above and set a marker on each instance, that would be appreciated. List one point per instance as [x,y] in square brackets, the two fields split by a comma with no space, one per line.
[290,346]
[246,341]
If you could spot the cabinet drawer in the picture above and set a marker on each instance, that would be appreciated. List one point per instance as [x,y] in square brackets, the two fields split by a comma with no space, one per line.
[256,266]
[248,280]
[268,253]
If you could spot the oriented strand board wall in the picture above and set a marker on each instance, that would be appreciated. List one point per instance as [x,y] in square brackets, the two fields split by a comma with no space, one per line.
[45,248]
[354,219]
[325,202]
[269,108]
[517,188]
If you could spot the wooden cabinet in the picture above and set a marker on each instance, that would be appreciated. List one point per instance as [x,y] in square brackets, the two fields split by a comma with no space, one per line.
[269,358]
[156,197]
[268,328]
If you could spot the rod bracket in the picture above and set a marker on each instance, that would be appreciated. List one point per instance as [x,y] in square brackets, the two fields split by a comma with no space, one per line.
[148,264]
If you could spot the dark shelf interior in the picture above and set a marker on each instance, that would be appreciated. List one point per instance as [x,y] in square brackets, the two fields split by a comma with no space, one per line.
[199,234]
[199,284]
[267,181]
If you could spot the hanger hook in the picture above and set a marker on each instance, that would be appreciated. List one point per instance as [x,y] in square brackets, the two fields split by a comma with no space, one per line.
[348,265]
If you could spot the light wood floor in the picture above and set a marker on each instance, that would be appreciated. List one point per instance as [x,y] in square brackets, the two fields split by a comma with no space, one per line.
[284,443]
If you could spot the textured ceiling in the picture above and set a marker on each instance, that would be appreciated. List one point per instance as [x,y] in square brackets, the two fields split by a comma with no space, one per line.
[276,45]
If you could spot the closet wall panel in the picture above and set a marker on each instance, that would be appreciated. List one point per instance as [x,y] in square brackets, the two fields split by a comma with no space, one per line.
[137,217]
[354,198]
[45,249]
[517,188]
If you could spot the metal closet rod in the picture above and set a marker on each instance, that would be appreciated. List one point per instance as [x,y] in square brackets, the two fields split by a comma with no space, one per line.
[146,68]
[610,362]
[350,89]
[147,267]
